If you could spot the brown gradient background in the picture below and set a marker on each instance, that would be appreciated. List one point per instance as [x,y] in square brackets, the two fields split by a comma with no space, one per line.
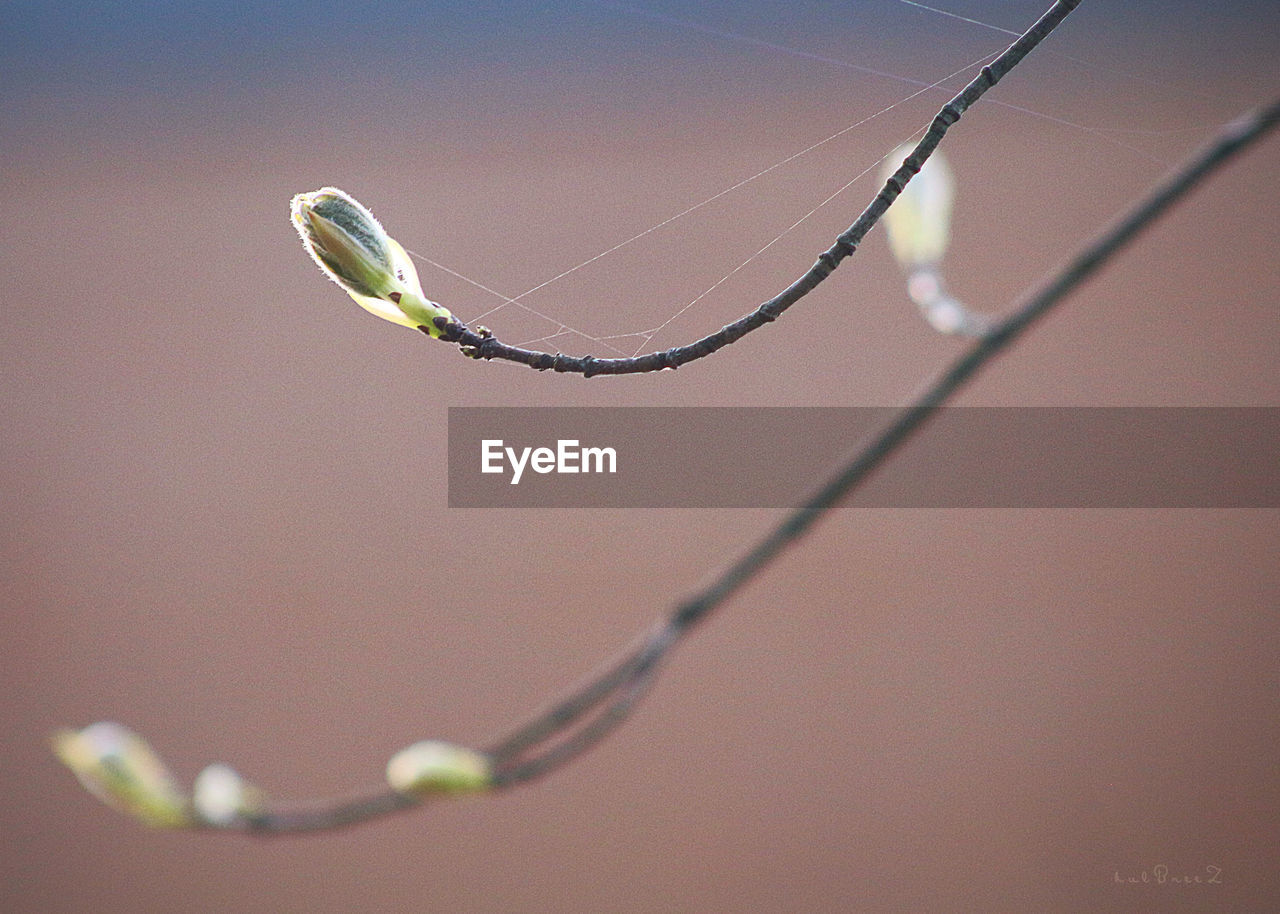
[224,498]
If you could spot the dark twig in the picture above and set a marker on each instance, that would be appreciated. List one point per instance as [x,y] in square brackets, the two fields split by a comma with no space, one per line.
[481,344]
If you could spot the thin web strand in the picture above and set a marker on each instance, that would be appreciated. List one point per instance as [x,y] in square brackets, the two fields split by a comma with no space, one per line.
[950,15]
[758,42]
[653,332]
[1099,132]
[483,345]
[563,329]
[1099,68]
[601,340]
[697,206]
[650,334]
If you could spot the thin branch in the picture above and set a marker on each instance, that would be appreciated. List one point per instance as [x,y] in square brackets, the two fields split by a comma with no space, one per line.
[573,708]
[482,344]
[627,696]
[627,680]
[326,815]
[1035,305]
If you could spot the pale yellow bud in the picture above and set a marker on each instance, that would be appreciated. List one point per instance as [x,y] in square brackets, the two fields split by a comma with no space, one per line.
[351,247]
[919,221]
[433,768]
[222,797]
[119,768]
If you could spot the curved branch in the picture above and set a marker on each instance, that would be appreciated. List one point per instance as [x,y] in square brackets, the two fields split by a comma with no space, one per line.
[482,344]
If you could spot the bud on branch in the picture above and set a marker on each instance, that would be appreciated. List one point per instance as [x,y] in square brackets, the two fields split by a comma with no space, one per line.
[351,247]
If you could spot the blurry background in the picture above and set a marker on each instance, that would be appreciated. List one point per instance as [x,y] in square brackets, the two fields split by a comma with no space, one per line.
[224,502]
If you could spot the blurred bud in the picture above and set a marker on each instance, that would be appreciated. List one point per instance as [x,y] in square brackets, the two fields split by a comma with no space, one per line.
[433,767]
[221,796]
[119,768]
[943,312]
[919,221]
[353,250]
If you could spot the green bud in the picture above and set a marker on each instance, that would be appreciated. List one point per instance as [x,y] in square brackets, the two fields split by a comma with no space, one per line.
[919,221]
[437,768]
[351,247]
[120,768]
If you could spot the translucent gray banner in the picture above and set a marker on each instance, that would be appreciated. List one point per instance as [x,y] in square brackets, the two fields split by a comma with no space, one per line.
[964,457]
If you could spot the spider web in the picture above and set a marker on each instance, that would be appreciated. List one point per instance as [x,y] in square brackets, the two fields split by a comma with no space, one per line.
[918,99]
